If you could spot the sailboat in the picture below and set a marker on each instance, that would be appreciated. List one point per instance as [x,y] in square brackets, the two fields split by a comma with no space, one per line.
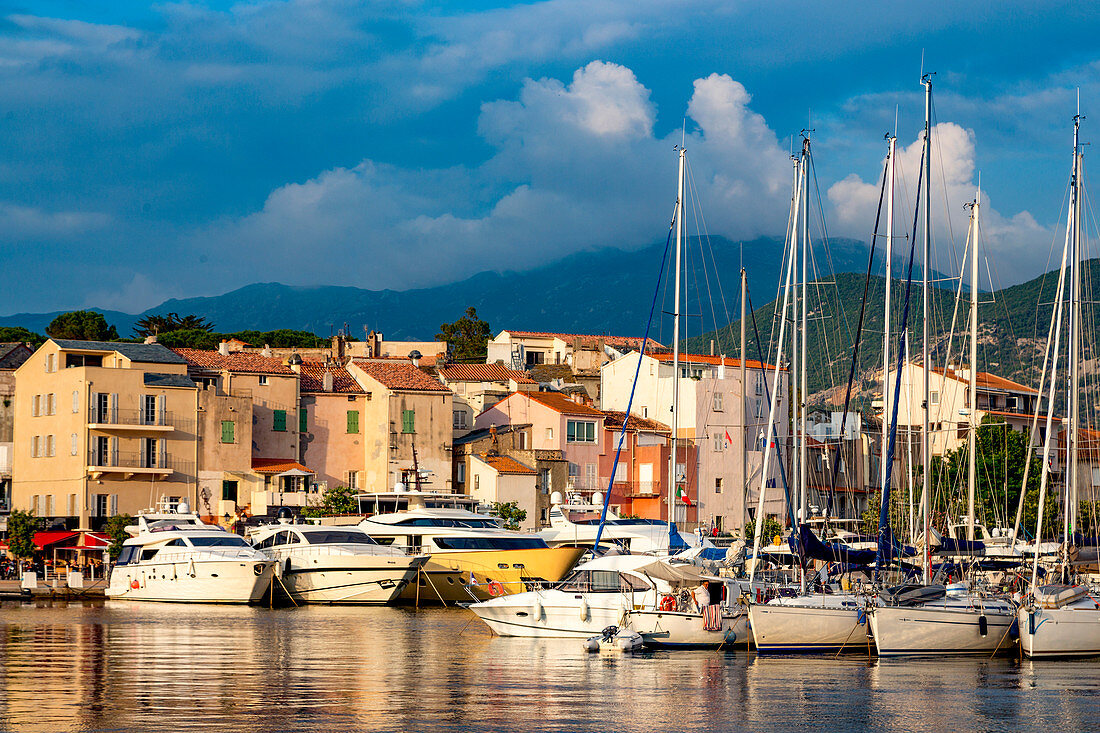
[926,619]
[1062,620]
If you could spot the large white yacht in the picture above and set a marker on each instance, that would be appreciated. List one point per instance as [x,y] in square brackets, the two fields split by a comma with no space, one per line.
[575,524]
[174,556]
[643,594]
[320,564]
[472,557]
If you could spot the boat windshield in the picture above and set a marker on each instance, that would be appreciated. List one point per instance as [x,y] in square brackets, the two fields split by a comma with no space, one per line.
[441,522]
[490,543]
[602,581]
[338,537]
[229,540]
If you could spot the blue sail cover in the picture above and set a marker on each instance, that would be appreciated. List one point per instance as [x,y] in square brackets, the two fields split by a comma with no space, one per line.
[675,541]
[1081,540]
[949,546]
[815,549]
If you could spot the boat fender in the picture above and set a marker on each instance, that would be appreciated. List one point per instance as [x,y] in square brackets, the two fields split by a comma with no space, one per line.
[584,609]
[592,644]
[983,625]
[536,610]
[668,603]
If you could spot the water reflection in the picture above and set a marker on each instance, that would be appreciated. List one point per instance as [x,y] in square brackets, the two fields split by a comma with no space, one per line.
[133,667]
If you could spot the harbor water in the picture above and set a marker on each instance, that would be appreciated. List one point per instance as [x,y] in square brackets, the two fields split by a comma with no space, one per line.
[138,667]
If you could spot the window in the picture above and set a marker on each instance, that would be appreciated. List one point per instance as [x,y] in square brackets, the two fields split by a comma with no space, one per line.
[522,438]
[477,481]
[73,447]
[544,480]
[229,491]
[279,421]
[263,380]
[590,475]
[620,473]
[34,446]
[303,420]
[228,429]
[719,442]
[49,506]
[50,446]
[461,473]
[353,479]
[717,406]
[148,409]
[934,398]
[36,405]
[459,419]
[645,411]
[549,433]
[760,383]
[580,431]
[76,401]
[353,421]
[51,404]
[759,409]
[50,362]
[70,505]
[574,471]
[718,486]
[408,421]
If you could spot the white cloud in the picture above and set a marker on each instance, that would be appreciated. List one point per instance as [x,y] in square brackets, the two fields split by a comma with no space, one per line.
[29,222]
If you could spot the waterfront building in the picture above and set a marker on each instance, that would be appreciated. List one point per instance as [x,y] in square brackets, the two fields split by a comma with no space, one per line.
[713,407]
[477,387]
[102,428]
[332,430]
[496,478]
[407,419]
[12,356]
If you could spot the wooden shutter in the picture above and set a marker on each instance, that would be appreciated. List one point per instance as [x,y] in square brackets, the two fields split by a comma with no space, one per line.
[408,421]
[114,408]
[114,505]
[280,421]
[303,420]
[162,453]
[162,410]
[353,421]
[227,431]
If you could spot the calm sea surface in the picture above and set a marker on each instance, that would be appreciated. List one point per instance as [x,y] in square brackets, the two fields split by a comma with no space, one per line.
[138,667]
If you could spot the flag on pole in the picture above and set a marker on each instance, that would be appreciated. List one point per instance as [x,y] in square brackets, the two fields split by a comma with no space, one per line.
[681,494]
[729,440]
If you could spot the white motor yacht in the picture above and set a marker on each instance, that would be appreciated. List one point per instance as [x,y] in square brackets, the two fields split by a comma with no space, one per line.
[576,523]
[633,592]
[471,556]
[932,621]
[325,564]
[174,556]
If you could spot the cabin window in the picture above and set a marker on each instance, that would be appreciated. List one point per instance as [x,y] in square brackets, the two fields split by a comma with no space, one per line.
[128,555]
[279,421]
[148,554]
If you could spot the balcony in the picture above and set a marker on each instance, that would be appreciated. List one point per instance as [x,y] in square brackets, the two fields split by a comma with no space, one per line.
[132,421]
[130,464]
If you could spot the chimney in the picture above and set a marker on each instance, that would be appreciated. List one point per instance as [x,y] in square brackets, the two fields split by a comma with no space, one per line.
[414,357]
[712,347]
[266,351]
[295,363]
[223,348]
[721,363]
[326,380]
[151,339]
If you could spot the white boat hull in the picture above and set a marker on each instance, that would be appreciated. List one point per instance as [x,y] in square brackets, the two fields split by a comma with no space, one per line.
[555,613]
[206,581]
[933,630]
[791,629]
[682,629]
[1070,631]
[350,579]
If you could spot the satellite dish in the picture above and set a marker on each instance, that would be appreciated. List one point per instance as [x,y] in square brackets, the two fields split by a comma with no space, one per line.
[555,497]
[183,507]
[597,498]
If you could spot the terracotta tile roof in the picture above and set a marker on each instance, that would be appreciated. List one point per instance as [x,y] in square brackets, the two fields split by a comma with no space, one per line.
[589,340]
[425,360]
[276,465]
[1003,413]
[705,359]
[562,404]
[506,464]
[613,419]
[986,380]
[312,377]
[550,372]
[400,376]
[238,361]
[483,373]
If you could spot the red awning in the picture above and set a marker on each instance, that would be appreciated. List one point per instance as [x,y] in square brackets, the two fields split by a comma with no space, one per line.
[42,540]
[95,540]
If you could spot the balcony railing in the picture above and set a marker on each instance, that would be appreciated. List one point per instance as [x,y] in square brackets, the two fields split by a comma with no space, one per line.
[136,461]
[154,419]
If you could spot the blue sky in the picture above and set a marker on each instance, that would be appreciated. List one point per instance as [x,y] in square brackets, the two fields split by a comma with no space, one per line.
[176,149]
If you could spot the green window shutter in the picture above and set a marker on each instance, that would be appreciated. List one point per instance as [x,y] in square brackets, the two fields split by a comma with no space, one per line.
[408,421]
[280,421]
[303,421]
[227,431]
[353,421]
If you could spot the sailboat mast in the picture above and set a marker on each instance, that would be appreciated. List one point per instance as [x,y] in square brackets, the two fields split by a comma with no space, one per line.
[744,405]
[926,442]
[803,458]
[796,352]
[886,304]
[676,343]
[1075,332]
[972,434]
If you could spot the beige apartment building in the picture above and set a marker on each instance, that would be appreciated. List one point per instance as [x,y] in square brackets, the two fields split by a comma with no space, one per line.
[102,428]
[333,434]
[404,411]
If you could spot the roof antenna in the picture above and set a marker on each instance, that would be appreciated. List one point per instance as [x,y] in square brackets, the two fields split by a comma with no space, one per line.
[922,64]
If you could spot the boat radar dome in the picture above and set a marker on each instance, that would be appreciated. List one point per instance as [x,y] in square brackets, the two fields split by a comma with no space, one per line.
[555,498]
[597,498]
[399,487]
[183,507]
[284,515]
